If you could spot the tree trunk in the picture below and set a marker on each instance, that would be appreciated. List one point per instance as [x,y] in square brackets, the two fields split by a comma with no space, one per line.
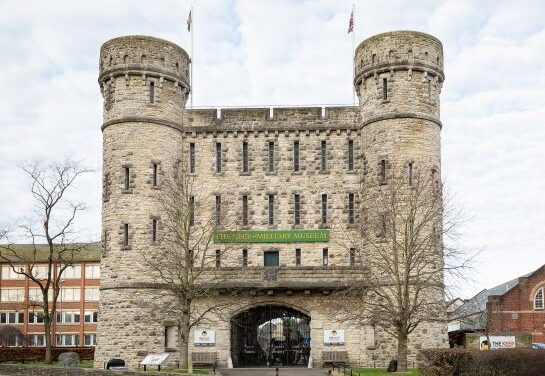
[402,351]
[184,341]
[47,330]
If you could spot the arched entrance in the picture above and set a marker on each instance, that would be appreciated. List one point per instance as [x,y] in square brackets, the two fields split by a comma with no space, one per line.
[270,336]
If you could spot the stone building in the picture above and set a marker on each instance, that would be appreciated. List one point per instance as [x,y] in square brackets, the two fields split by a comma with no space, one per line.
[291,174]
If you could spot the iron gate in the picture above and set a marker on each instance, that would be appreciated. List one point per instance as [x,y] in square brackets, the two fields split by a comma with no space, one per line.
[270,336]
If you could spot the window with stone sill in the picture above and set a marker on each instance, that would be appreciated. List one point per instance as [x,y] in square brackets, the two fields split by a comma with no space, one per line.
[538,299]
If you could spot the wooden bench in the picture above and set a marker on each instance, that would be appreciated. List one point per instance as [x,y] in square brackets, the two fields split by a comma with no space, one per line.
[204,358]
[335,357]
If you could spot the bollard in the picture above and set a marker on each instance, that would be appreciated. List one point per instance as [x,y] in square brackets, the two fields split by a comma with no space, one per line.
[276,371]
[329,372]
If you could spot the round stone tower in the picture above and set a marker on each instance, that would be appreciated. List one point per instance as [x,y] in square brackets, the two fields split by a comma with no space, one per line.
[144,82]
[398,77]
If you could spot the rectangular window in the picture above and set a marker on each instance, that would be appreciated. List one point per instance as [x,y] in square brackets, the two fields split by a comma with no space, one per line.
[152,92]
[91,316]
[350,155]
[35,294]
[218,258]
[384,88]
[154,230]
[35,318]
[127,177]
[92,294]
[92,271]
[245,163]
[245,210]
[325,257]
[324,209]
[297,209]
[218,158]
[12,317]
[352,256]
[126,234]
[191,210]
[72,272]
[271,209]
[244,257]
[351,208]
[40,271]
[66,340]
[218,210]
[323,156]
[68,317]
[36,340]
[192,158]
[8,273]
[12,295]
[271,156]
[410,174]
[70,294]
[298,257]
[429,89]
[154,175]
[382,172]
[296,155]
[90,340]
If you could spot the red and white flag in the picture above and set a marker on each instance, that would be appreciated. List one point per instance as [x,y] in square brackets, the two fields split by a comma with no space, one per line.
[351,23]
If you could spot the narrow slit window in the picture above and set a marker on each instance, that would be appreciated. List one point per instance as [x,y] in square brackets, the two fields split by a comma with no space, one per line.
[324,209]
[298,257]
[192,158]
[191,210]
[429,89]
[245,257]
[410,174]
[127,179]
[245,164]
[385,88]
[245,210]
[271,156]
[382,226]
[325,257]
[152,92]
[218,258]
[352,256]
[296,156]
[154,175]
[126,234]
[323,155]
[382,172]
[154,229]
[218,158]
[351,208]
[350,155]
[297,209]
[218,210]
[271,209]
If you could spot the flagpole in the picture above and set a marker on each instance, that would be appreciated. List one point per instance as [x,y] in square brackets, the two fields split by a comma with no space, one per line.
[353,50]
[192,55]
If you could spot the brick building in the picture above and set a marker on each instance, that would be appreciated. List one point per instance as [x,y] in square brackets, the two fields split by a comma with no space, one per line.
[77,304]
[290,175]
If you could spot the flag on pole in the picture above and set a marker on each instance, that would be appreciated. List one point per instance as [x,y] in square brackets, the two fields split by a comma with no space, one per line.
[189,22]
[351,23]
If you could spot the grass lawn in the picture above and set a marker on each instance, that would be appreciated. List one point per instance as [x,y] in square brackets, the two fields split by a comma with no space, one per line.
[380,371]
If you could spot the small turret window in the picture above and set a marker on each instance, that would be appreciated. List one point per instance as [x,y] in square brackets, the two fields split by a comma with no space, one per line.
[152,92]
[384,88]
[410,55]
[126,234]
[125,59]
[538,299]
[374,59]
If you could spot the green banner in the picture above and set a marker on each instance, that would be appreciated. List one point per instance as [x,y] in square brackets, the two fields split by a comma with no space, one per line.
[274,236]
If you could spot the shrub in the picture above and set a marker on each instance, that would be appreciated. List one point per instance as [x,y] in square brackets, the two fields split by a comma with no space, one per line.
[459,362]
[23,354]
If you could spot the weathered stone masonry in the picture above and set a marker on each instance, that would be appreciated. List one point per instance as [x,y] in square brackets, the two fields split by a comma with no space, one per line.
[144,82]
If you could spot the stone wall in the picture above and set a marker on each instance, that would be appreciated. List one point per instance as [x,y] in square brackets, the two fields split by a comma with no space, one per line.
[31,370]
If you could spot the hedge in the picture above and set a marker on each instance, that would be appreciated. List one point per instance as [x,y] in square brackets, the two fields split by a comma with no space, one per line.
[460,362]
[23,354]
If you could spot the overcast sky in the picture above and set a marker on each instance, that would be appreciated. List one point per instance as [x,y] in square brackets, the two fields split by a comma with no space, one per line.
[297,52]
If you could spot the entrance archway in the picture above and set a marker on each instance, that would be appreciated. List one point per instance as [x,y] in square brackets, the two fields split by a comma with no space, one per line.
[270,336]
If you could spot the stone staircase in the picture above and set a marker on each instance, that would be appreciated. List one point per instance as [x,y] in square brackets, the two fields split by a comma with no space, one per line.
[272,372]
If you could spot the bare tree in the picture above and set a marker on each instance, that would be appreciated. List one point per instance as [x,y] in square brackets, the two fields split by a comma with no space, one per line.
[51,235]
[185,259]
[404,222]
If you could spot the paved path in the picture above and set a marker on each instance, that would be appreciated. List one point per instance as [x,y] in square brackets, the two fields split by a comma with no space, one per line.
[272,372]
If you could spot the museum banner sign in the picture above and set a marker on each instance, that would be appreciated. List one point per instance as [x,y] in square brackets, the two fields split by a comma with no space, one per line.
[274,236]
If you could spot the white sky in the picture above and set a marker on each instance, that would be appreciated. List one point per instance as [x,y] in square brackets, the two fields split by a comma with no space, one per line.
[297,52]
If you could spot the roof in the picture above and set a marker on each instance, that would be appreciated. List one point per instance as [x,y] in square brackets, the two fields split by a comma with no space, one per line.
[88,252]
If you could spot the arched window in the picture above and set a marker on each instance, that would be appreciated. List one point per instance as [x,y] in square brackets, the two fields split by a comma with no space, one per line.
[538,299]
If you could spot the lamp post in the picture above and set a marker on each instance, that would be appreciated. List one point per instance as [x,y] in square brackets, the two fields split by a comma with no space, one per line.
[60,310]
